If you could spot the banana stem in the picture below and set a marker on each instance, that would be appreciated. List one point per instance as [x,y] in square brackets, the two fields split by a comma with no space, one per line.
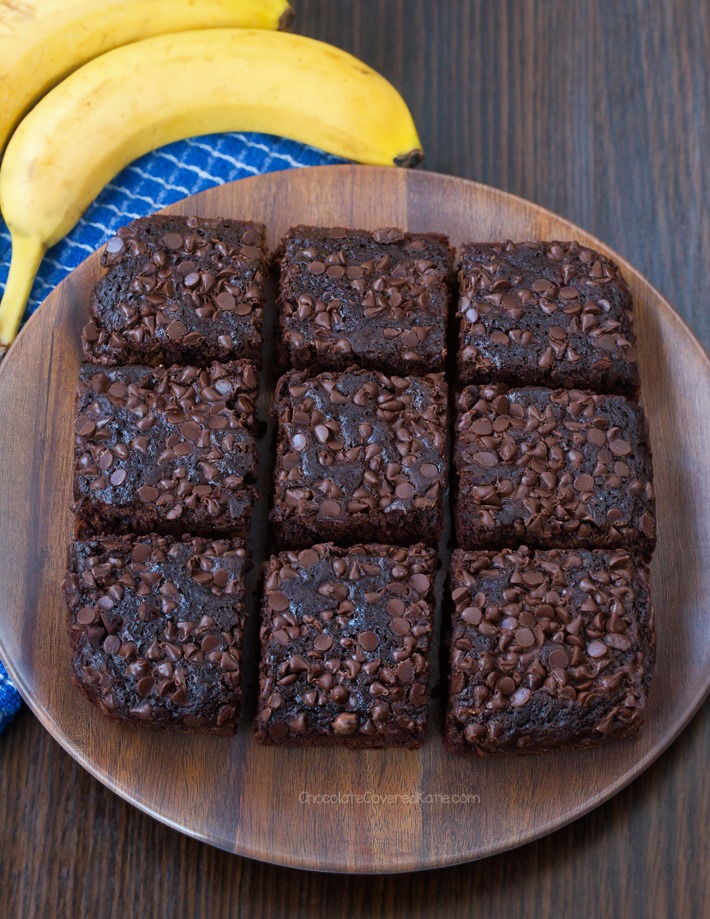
[27,253]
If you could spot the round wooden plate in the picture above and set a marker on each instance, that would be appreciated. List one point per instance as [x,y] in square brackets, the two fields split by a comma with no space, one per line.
[253,800]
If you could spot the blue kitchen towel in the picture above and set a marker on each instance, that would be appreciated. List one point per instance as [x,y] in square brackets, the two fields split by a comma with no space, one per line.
[148,184]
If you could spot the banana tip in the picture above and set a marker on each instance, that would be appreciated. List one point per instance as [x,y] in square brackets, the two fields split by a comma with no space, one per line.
[411,159]
[286,20]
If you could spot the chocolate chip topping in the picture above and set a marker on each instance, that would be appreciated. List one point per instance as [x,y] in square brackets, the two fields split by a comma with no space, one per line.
[379,300]
[169,450]
[544,467]
[545,312]
[360,456]
[179,290]
[547,648]
[345,658]
[156,629]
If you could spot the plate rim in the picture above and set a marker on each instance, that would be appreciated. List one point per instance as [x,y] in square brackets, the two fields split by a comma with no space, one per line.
[285,859]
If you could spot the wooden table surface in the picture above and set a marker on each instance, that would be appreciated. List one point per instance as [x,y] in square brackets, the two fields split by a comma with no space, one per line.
[596,109]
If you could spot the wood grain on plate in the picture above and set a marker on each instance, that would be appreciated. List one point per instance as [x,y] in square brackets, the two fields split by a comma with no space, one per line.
[247,798]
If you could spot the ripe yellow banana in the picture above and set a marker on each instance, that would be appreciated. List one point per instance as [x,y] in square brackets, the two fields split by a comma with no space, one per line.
[42,41]
[139,97]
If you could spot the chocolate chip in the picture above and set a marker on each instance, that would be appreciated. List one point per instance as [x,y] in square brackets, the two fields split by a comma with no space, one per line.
[584,483]
[472,615]
[84,426]
[308,558]
[520,697]
[524,638]
[278,601]
[558,659]
[330,509]
[118,477]
[395,607]
[90,332]
[112,644]
[176,330]
[191,431]
[404,490]
[172,240]
[144,686]
[400,626]
[620,447]
[141,552]
[482,427]
[420,582]
[597,437]
[346,723]
[323,642]
[506,685]
[115,244]
[226,301]
[86,615]
[368,640]
[405,672]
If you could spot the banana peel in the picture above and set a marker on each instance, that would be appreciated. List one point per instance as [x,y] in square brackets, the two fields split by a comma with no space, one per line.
[43,41]
[153,92]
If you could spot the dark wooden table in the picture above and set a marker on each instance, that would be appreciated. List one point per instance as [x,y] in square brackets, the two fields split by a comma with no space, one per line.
[596,109]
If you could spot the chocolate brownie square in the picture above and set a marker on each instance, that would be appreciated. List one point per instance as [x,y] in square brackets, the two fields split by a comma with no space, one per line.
[361,457]
[179,290]
[552,469]
[545,313]
[166,450]
[548,649]
[376,299]
[156,629]
[345,647]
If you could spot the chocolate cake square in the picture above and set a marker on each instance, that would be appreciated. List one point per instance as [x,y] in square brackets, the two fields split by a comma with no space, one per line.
[361,457]
[552,469]
[166,450]
[545,313]
[377,299]
[549,650]
[345,640]
[156,629]
[179,290]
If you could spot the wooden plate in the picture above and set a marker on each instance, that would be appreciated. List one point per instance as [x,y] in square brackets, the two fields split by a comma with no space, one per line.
[249,799]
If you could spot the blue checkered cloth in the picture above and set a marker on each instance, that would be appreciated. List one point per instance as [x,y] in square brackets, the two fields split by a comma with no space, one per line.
[148,184]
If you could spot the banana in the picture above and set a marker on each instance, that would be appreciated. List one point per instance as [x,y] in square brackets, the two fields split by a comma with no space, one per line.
[141,96]
[42,41]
